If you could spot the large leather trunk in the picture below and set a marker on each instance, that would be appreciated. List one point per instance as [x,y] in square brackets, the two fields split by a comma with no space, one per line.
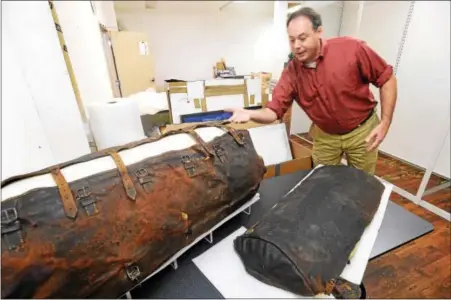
[95,226]
[304,242]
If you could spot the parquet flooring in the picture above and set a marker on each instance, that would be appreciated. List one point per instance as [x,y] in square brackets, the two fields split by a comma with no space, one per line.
[421,268]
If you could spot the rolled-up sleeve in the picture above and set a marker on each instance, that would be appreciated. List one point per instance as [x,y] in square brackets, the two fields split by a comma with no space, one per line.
[373,67]
[282,95]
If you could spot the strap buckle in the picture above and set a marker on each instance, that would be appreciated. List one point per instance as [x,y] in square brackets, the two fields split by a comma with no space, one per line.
[220,153]
[87,201]
[144,179]
[11,228]
[189,165]
[133,273]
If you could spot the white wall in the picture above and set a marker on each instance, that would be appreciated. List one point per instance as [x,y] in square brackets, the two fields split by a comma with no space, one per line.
[330,15]
[84,43]
[187,42]
[348,25]
[421,118]
[423,112]
[105,13]
[24,143]
[41,124]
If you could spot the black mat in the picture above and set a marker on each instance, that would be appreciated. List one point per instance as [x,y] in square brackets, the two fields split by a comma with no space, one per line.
[398,227]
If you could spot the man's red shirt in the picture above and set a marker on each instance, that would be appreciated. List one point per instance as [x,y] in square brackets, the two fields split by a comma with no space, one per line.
[336,94]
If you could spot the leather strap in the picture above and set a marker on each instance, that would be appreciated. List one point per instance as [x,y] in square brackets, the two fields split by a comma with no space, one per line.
[69,204]
[236,136]
[126,180]
[330,285]
[207,151]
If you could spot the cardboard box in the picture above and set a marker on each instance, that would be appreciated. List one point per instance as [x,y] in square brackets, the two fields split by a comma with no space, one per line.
[302,160]
[191,97]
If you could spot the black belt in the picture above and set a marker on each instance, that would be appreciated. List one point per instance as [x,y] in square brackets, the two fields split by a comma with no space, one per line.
[361,123]
[367,118]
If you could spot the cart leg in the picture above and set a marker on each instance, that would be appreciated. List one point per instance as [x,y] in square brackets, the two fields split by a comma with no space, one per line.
[209,238]
[362,291]
[128,295]
[247,211]
[175,265]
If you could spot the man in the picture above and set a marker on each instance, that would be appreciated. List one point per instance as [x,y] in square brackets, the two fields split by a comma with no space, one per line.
[330,82]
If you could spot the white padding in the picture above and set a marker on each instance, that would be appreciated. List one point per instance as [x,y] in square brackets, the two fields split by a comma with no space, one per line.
[95,166]
[224,269]
[355,270]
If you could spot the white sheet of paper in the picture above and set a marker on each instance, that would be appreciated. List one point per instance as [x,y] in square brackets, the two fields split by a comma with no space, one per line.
[271,143]
[143,48]
[182,105]
[195,89]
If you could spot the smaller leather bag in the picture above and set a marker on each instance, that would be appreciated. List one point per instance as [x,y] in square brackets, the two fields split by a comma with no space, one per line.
[304,242]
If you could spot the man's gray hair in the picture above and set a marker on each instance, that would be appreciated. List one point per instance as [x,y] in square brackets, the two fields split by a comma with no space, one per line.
[310,13]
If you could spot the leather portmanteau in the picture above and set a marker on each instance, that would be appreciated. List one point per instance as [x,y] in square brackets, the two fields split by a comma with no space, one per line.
[304,242]
[96,226]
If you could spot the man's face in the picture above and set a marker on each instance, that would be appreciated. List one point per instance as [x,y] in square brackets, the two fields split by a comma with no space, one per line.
[304,40]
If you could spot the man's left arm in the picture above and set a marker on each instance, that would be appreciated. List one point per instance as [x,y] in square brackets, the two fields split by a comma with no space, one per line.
[378,72]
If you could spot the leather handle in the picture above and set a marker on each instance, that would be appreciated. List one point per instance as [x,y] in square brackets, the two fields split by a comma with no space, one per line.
[126,180]
[206,149]
[222,124]
[69,204]
[190,130]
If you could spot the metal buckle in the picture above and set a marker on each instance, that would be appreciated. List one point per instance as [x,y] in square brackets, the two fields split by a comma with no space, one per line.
[133,273]
[189,165]
[87,201]
[144,179]
[220,153]
[241,137]
[9,215]
[11,228]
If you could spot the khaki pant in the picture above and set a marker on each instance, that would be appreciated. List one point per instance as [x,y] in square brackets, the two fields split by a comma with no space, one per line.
[328,149]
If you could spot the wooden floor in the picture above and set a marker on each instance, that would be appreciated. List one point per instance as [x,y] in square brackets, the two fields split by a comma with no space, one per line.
[422,268]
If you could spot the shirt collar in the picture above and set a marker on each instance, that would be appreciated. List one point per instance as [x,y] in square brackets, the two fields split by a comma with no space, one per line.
[322,52]
[323,49]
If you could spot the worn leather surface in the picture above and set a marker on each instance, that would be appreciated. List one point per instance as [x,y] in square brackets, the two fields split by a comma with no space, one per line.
[114,239]
[303,244]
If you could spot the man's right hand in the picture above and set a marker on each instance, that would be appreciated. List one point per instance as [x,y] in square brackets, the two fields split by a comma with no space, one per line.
[241,115]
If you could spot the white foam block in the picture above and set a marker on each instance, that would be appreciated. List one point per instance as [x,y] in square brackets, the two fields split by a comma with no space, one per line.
[115,123]
[224,269]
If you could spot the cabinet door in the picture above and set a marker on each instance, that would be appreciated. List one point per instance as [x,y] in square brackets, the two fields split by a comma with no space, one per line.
[134,62]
